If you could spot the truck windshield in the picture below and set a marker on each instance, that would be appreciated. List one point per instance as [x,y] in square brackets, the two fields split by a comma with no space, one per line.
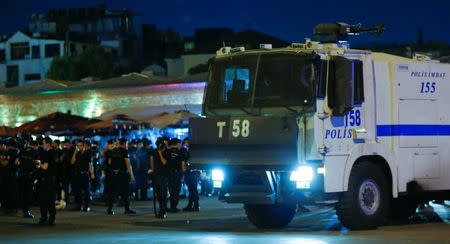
[277,79]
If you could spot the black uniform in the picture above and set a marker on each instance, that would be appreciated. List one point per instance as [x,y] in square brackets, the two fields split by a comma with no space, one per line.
[2,180]
[107,170]
[9,175]
[119,178]
[67,171]
[56,154]
[160,180]
[97,170]
[142,167]
[82,178]
[47,189]
[133,161]
[174,162]
[191,179]
[27,175]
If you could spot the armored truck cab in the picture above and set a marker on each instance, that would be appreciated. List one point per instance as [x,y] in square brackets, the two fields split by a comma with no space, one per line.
[320,123]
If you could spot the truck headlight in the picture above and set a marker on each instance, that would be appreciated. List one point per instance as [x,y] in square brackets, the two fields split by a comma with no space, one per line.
[217,176]
[302,174]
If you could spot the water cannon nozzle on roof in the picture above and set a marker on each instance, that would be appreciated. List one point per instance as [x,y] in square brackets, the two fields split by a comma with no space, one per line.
[339,31]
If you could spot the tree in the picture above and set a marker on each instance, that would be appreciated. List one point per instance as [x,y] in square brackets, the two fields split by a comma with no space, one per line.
[63,68]
[94,61]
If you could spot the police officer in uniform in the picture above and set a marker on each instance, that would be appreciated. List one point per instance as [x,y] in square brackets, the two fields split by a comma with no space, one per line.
[2,170]
[121,175]
[84,172]
[47,188]
[9,175]
[176,166]
[97,167]
[142,167]
[132,150]
[56,154]
[106,155]
[149,150]
[160,174]
[191,178]
[67,168]
[27,175]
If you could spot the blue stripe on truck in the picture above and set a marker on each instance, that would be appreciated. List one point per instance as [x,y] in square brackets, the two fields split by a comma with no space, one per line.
[413,130]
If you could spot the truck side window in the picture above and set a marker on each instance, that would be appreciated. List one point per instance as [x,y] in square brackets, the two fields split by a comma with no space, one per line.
[358,88]
[331,83]
[321,77]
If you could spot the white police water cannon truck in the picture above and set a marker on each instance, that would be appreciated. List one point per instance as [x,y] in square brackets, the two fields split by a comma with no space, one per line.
[320,123]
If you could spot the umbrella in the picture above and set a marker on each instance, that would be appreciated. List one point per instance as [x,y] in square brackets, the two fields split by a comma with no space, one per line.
[180,118]
[7,131]
[56,123]
[119,121]
[153,117]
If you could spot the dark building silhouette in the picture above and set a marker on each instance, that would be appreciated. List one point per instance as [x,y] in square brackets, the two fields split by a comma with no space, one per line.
[160,44]
[209,40]
[117,30]
[251,39]
[149,41]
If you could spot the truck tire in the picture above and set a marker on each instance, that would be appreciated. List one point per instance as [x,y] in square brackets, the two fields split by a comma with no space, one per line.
[403,208]
[366,204]
[270,216]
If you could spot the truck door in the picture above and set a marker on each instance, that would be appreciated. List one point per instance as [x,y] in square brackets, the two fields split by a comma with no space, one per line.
[338,128]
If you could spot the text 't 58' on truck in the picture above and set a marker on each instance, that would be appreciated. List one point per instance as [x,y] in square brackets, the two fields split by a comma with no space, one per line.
[318,122]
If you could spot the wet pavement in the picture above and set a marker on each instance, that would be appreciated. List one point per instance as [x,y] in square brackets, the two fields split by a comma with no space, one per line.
[217,223]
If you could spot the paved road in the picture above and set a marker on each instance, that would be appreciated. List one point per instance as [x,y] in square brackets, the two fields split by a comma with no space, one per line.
[217,223]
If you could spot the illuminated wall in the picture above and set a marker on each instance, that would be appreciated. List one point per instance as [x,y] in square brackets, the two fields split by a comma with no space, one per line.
[16,110]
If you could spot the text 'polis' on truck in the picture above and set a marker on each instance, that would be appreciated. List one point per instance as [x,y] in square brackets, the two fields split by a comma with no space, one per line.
[320,123]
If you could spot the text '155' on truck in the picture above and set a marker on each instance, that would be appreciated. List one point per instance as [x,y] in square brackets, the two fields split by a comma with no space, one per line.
[318,122]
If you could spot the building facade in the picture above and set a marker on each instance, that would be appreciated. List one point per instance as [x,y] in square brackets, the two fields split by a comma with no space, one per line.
[118,30]
[181,66]
[25,59]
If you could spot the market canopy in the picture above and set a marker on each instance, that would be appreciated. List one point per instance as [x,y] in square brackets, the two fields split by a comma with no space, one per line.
[145,113]
[179,118]
[7,131]
[56,123]
[119,121]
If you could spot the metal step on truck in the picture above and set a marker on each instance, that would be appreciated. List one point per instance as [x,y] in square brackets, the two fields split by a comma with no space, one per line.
[320,123]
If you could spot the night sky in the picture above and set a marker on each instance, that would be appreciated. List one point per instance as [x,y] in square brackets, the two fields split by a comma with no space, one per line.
[288,20]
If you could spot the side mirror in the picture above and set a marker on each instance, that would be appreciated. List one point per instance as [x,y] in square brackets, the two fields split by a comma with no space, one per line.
[340,86]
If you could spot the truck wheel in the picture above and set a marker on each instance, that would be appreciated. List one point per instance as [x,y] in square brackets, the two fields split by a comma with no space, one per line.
[270,216]
[366,204]
[403,208]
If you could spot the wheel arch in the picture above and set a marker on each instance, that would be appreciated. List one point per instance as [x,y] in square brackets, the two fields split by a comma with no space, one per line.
[385,161]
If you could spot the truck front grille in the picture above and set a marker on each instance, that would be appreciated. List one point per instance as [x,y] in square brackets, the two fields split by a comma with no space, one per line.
[247,179]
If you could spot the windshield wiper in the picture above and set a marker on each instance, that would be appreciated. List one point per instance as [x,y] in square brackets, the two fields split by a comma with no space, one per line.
[290,109]
[247,112]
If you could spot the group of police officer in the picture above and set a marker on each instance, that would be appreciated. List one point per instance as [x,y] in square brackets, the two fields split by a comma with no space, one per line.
[20,168]
[47,169]
[169,162]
